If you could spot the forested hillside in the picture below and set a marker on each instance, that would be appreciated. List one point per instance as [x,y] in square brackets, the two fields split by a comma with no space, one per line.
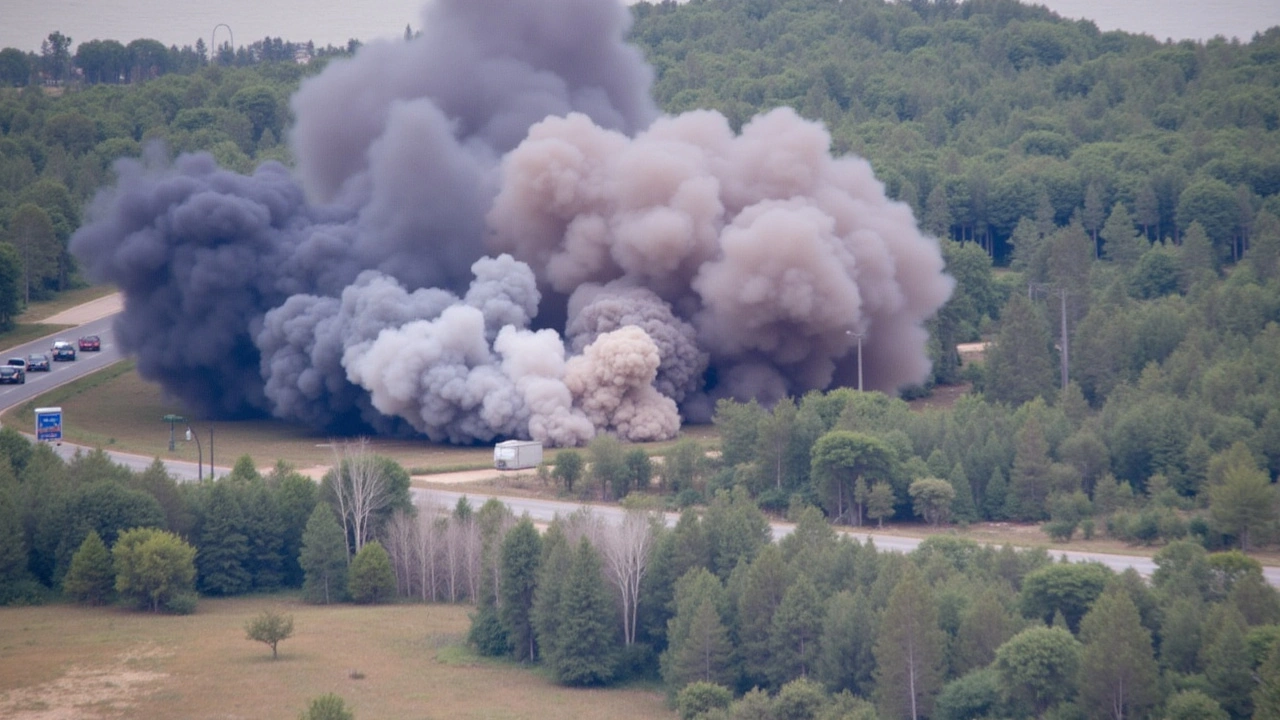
[984,113]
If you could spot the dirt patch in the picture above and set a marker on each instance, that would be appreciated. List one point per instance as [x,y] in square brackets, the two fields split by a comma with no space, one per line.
[86,692]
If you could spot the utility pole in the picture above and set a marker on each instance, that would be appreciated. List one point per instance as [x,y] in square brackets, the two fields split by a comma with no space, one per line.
[1061,293]
[860,334]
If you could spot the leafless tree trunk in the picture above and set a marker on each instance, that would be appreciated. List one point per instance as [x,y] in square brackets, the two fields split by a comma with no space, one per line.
[472,557]
[453,557]
[360,488]
[430,530]
[401,542]
[625,550]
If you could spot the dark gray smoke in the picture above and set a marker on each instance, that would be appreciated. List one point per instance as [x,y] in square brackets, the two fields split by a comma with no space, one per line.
[462,198]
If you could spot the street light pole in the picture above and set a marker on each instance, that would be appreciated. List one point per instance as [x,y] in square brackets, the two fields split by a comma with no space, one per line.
[199,454]
[858,335]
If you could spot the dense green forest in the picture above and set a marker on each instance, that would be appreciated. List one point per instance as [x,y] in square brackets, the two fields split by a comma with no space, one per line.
[1108,204]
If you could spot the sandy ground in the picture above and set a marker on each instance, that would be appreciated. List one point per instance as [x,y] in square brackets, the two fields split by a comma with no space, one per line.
[88,312]
[84,692]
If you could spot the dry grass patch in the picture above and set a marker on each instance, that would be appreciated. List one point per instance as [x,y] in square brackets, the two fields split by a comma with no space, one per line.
[64,662]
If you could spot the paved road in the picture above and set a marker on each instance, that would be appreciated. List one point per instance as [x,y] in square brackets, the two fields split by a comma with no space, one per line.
[543,511]
[539,510]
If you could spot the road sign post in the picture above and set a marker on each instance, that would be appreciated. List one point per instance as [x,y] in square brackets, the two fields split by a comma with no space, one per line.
[49,424]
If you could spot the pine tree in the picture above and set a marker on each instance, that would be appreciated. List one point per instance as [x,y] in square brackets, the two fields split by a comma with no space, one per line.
[370,578]
[996,496]
[1123,243]
[763,588]
[908,649]
[1226,662]
[1118,673]
[521,554]
[796,633]
[323,558]
[1029,482]
[963,508]
[849,631]
[585,642]
[91,577]
[1020,364]
[223,545]
[705,653]
[985,625]
[1266,697]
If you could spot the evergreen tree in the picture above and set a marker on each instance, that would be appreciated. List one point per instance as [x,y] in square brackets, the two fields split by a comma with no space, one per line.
[764,585]
[295,496]
[985,625]
[91,577]
[13,547]
[323,558]
[370,578]
[848,637]
[224,547]
[264,530]
[996,496]
[1020,363]
[1029,481]
[908,650]
[880,502]
[1123,243]
[796,633]
[1266,696]
[704,653]
[963,508]
[1226,662]
[584,647]
[521,554]
[1118,674]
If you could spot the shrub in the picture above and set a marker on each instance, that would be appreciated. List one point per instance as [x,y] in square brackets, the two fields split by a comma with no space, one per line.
[698,697]
[370,578]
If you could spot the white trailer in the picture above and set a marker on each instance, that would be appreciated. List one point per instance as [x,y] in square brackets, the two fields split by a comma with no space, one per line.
[517,454]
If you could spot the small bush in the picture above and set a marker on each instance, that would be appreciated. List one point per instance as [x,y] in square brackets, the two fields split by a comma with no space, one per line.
[182,603]
[1060,530]
[327,707]
[699,697]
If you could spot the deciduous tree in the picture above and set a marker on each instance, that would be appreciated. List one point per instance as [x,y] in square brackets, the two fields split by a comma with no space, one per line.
[153,567]
[270,627]
[323,558]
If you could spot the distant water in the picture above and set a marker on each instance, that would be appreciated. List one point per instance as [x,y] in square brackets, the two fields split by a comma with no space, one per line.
[25,23]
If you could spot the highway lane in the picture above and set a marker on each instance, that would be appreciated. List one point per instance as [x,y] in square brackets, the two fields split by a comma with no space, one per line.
[544,511]
[539,510]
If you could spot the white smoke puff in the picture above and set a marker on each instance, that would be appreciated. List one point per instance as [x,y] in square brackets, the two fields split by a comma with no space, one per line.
[611,382]
[504,291]
[595,310]
[535,362]
[440,377]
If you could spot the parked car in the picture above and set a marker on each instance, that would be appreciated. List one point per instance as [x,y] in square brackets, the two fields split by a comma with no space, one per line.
[12,375]
[63,350]
[90,343]
[37,363]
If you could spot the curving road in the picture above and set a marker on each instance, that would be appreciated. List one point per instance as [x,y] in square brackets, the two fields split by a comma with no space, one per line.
[539,510]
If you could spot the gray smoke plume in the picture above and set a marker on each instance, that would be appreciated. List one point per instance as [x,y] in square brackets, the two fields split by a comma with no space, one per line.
[462,198]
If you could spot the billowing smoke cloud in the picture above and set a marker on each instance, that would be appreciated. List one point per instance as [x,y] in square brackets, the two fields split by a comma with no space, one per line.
[463,198]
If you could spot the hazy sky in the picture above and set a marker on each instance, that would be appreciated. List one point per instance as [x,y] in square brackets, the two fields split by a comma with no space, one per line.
[24,23]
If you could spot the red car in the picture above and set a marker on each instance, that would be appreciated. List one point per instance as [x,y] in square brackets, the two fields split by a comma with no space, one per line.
[90,343]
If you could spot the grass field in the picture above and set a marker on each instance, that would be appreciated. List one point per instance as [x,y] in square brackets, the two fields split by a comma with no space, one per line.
[63,661]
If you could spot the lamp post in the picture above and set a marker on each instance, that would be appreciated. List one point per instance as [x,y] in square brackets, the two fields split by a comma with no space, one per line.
[172,420]
[199,453]
[860,334]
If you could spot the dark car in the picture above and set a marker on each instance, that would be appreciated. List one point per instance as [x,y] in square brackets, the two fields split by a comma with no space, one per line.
[63,350]
[90,343]
[12,375]
[37,363]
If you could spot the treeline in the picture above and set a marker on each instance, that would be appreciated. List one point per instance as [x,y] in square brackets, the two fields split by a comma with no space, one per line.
[56,151]
[983,113]
[60,522]
[821,626]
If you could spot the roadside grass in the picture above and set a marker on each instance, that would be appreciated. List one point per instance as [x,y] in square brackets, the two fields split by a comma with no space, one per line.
[28,325]
[70,661]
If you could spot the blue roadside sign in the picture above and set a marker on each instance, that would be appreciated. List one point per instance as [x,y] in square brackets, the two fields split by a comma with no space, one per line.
[49,424]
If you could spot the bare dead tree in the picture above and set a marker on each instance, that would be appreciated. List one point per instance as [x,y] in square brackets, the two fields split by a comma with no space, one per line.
[360,488]
[625,549]
[401,543]
[430,534]
[453,557]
